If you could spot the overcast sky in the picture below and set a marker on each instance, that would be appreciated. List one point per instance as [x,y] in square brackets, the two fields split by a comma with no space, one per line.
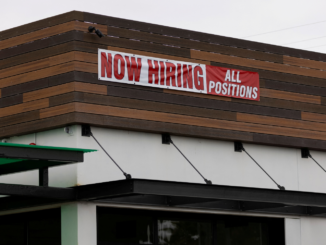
[303,21]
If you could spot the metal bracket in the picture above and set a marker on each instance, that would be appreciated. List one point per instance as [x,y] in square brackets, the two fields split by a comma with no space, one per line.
[86,130]
[238,147]
[305,153]
[43,175]
[166,138]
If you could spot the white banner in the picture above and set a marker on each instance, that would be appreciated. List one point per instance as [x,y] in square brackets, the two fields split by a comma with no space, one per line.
[178,75]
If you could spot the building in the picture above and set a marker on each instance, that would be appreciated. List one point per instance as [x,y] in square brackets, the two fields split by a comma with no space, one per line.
[52,94]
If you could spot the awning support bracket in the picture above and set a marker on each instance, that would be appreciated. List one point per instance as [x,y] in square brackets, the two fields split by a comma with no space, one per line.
[238,147]
[305,153]
[166,139]
[86,131]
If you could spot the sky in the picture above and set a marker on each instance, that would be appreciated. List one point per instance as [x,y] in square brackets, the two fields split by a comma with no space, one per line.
[292,23]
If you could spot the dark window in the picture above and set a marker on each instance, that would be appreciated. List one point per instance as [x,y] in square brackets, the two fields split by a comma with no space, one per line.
[124,226]
[33,228]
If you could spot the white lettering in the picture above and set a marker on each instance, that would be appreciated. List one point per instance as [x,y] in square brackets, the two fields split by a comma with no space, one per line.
[248,94]
[233,80]
[228,76]
[225,86]
[233,87]
[218,84]
[211,85]
[238,88]
[242,91]
[238,77]
[254,91]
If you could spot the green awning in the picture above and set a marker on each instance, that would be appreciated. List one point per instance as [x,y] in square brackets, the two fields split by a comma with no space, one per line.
[19,157]
[46,147]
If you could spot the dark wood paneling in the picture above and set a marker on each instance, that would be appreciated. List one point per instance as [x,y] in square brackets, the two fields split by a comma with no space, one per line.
[37,55]
[66,98]
[93,78]
[41,24]
[138,45]
[39,44]
[277,94]
[50,31]
[286,104]
[38,125]
[19,118]
[65,88]
[141,104]
[289,123]
[304,63]
[278,76]
[323,100]
[186,43]
[24,107]
[38,84]
[12,100]
[203,103]
[292,87]
[159,127]
[210,38]
[257,64]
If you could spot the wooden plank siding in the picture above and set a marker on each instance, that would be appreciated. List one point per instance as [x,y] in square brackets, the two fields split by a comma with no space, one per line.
[48,79]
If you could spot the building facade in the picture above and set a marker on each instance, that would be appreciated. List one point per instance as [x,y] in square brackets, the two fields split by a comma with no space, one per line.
[51,93]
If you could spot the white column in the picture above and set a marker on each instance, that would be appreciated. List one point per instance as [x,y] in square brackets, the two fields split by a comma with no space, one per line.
[78,224]
[292,231]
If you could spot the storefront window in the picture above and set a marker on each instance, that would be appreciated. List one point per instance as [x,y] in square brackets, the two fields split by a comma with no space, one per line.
[33,228]
[12,233]
[124,226]
[188,232]
[124,229]
[244,233]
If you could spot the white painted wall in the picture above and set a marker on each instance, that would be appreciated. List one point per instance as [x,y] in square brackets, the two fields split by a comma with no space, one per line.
[144,156]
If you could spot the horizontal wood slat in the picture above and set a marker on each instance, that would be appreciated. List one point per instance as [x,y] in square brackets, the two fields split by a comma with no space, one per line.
[276,94]
[65,88]
[313,117]
[198,95]
[282,122]
[203,103]
[48,32]
[304,62]
[186,43]
[47,62]
[140,104]
[12,100]
[204,37]
[39,84]
[48,72]
[24,107]
[19,118]
[37,65]
[257,64]
[41,24]
[39,74]
[184,110]
[179,119]
[157,55]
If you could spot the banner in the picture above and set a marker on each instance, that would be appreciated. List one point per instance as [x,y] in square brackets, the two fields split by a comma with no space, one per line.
[178,75]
